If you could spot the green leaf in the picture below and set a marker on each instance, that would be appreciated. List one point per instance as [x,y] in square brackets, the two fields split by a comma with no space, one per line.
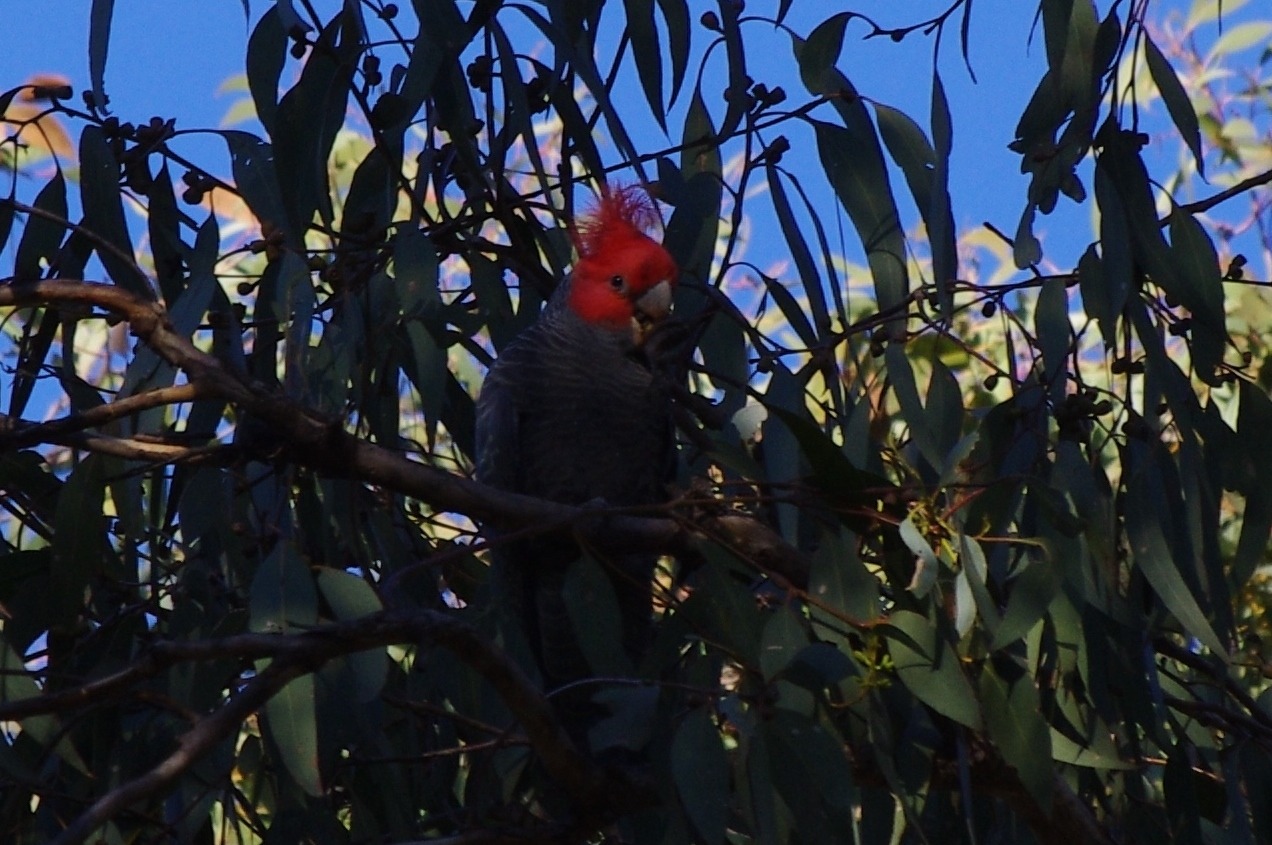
[283,597]
[79,538]
[927,565]
[929,668]
[853,162]
[266,55]
[309,116]
[938,213]
[1200,290]
[104,212]
[1152,554]
[1015,724]
[676,16]
[595,617]
[811,773]
[164,228]
[293,725]
[839,580]
[819,52]
[700,771]
[739,80]
[252,163]
[1176,99]
[42,235]
[373,195]
[804,263]
[901,375]
[648,54]
[630,721]
[724,607]
[1254,420]
[1051,323]
[785,636]
[350,597]
[1026,249]
[691,232]
[1032,592]
[98,44]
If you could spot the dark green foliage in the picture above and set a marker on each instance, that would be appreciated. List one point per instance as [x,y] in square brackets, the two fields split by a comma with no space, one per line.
[948,560]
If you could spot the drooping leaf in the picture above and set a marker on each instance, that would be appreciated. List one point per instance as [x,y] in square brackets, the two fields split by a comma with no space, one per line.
[1015,723]
[1152,553]
[701,773]
[595,617]
[648,54]
[1176,98]
[98,44]
[1051,324]
[43,233]
[350,597]
[309,116]
[938,213]
[929,668]
[292,723]
[676,16]
[853,163]
[1030,595]
[104,212]
[266,54]
[809,276]
[79,539]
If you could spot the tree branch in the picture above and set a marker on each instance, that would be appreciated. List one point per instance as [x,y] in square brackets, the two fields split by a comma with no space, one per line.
[592,792]
[323,444]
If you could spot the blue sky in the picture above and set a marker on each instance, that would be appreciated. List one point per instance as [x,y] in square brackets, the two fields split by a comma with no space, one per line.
[170,59]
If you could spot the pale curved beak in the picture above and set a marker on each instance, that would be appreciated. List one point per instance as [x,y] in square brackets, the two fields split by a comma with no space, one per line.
[655,303]
[651,308]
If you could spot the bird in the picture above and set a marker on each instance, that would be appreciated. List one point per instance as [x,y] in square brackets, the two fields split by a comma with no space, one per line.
[573,411]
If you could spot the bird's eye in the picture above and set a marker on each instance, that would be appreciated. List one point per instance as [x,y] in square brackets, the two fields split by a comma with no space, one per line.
[618,283]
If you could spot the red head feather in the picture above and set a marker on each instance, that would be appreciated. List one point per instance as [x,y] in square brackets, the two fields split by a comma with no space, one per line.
[618,262]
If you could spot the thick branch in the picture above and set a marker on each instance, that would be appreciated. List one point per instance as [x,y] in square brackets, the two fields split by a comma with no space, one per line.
[19,434]
[323,444]
[590,791]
